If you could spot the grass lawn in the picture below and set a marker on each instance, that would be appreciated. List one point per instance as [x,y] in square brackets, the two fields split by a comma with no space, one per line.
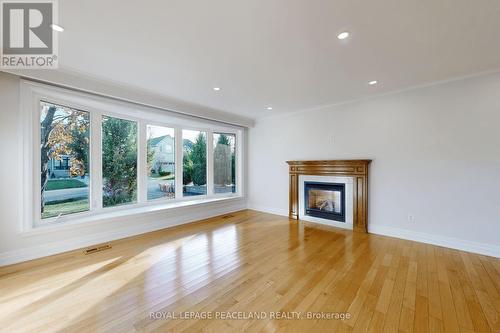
[59,184]
[156,176]
[65,208]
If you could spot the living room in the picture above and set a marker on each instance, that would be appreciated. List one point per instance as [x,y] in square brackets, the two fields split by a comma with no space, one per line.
[224,166]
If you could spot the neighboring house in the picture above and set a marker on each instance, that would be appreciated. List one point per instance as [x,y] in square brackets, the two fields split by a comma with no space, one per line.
[164,154]
[59,168]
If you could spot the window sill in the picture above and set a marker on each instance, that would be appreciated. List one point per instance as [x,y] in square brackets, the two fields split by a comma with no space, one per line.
[104,217]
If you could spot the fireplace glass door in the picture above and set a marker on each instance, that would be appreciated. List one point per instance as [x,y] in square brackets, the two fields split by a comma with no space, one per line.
[325,200]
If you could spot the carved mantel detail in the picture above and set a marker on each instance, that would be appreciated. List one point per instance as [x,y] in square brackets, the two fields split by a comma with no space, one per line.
[357,169]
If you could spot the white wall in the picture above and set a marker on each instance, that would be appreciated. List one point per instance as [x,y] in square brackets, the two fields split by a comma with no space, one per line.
[16,247]
[435,151]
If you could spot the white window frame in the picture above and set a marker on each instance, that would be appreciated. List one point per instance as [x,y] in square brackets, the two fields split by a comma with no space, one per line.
[33,93]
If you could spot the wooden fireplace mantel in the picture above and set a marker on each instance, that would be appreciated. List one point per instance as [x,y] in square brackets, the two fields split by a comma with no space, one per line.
[357,169]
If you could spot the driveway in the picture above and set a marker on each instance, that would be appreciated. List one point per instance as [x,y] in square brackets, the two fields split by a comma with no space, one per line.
[154,188]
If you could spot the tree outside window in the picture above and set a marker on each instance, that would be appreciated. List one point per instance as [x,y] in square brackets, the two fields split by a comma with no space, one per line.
[119,161]
[224,163]
[194,163]
[64,160]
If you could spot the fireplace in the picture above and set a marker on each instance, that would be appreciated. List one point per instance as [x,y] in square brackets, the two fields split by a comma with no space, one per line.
[325,200]
[352,173]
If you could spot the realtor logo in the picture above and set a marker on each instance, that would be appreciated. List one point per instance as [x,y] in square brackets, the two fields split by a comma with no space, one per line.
[28,40]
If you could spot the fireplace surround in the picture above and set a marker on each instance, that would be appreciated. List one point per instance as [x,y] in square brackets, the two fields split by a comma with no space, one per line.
[355,169]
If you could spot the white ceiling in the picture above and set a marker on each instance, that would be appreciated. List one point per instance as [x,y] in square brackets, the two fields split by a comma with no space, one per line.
[279,53]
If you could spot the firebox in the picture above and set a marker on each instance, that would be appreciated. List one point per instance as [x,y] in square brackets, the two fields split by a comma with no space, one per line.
[325,200]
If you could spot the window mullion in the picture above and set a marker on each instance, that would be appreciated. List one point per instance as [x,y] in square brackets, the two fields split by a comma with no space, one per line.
[210,163]
[34,175]
[142,172]
[178,163]
[95,161]
[238,162]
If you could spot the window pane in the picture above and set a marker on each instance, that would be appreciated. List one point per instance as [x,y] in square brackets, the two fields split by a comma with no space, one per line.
[224,163]
[65,140]
[119,161]
[194,163]
[161,162]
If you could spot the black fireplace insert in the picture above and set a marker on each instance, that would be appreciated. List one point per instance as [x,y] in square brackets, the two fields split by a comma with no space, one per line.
[325,200]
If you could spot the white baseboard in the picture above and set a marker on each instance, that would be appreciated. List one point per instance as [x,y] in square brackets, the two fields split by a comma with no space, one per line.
[270,210]
[163,222]
[449,242]
[159,221]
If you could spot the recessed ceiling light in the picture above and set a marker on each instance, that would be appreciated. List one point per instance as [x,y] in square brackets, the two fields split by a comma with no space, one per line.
[57,28]
[343,35]
[269,108]
[372,83]
[216,88]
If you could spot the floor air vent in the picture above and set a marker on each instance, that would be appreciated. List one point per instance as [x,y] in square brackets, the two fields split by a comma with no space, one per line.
[98,248]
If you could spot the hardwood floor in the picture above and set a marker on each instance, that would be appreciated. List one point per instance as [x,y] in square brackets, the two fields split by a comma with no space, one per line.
[250,261]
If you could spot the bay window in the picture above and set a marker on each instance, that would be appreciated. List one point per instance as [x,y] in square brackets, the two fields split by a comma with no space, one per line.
[95,157]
